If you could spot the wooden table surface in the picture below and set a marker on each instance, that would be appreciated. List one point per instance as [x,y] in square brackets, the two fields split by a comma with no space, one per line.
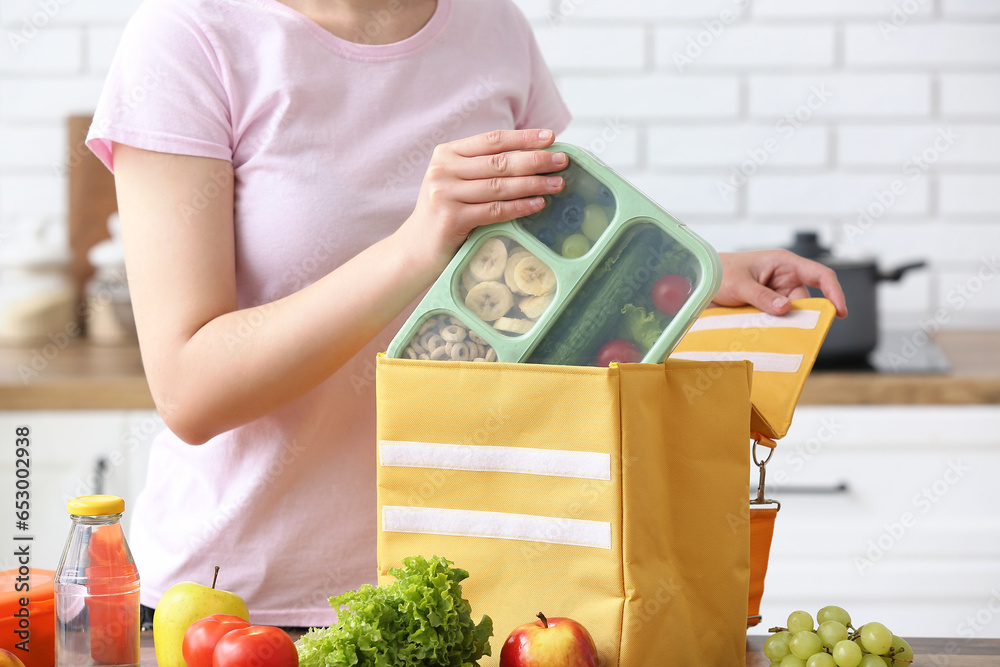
[82,376]
[928,652]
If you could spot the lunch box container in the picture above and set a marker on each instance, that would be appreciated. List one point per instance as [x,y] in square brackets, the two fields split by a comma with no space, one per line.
[559,285]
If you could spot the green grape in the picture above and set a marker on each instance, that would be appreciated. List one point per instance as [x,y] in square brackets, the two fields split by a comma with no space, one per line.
[792,661]
[805,643]
[821,660]
[872,660]
[875,638]
[799,621]
[776,646]
[833,613]
[575,245]
[831,632]
[595,221]
[847,654]
[901,658]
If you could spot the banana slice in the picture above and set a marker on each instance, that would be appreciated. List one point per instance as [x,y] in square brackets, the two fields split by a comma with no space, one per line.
[534,306]
[508,272]
[513,325]
[468,282]
[534,277]
[489,261]
[490,300]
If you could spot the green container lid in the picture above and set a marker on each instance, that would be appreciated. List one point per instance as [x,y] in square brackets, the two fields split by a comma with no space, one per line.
[560,285]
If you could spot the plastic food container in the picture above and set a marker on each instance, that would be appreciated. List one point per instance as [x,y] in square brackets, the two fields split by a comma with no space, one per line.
[601,273]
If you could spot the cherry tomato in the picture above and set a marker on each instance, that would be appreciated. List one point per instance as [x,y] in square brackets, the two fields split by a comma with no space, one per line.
[620,350]
[202,636]
[256,646]
[670,293]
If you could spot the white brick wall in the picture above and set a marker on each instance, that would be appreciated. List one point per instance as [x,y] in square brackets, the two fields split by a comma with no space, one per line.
[747,119]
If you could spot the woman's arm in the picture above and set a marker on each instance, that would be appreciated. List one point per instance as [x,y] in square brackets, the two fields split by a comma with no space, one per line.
[182,276]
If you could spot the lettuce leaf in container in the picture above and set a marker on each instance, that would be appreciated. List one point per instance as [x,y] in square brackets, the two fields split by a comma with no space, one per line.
[419,620]
[640,327]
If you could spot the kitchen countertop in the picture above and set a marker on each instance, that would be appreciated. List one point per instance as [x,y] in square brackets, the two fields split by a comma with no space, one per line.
[82,376]
[927,652]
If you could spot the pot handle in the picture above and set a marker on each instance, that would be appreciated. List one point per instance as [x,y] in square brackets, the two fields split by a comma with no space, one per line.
[898,272]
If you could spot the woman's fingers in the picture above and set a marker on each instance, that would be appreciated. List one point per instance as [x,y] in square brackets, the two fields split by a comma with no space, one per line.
[502,211]
[512,164]
[505,189]
[500,141]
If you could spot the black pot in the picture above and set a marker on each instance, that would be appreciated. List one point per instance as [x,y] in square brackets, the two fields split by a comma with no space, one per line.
[851,339]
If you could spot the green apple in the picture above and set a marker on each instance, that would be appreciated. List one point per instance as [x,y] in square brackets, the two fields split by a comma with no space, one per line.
[182,605]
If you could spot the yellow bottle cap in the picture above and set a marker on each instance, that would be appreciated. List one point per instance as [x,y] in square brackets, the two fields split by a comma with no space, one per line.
[95,505]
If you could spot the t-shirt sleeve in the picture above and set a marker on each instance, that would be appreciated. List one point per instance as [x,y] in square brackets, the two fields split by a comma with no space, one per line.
[545,108]
[165,90]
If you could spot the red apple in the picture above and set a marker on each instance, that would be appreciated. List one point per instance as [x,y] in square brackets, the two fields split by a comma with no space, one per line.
[8,659]
[549,642]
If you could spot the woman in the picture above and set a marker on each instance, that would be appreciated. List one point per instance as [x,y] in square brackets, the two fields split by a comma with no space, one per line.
[291,176]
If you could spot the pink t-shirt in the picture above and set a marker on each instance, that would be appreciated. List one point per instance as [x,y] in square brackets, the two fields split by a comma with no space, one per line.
[329,140]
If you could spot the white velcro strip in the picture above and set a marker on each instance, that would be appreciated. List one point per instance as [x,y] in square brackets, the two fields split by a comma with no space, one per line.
[553,462]
[796,319]
[763,362]
[498,525]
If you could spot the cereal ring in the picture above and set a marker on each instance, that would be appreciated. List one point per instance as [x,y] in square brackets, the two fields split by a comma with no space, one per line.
[459,352]
[439,353]
[454,333]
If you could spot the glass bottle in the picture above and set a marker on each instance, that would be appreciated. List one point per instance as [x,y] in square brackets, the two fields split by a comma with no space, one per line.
[97,589]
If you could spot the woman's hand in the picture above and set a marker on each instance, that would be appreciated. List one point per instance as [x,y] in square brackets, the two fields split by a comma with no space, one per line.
[769,279]
[491,177]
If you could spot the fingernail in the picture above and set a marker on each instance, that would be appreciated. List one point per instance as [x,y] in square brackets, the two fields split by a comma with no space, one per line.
[780,302]
[545,135]
[553,181]
[537,202]
[559,158]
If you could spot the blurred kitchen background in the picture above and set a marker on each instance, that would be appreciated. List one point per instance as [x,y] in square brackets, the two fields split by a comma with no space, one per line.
[875,123]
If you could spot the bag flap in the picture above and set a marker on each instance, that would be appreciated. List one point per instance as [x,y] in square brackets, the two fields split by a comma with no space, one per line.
[782,350]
